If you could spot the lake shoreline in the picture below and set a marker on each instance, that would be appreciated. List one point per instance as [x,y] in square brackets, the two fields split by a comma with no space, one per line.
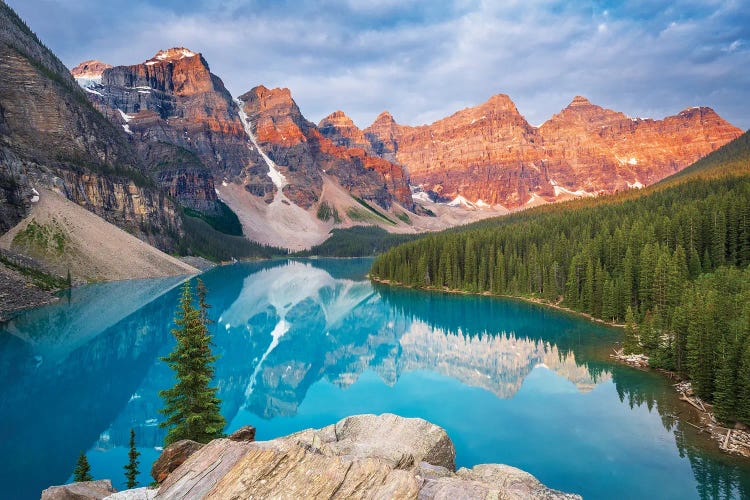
[531,300]
[735,442]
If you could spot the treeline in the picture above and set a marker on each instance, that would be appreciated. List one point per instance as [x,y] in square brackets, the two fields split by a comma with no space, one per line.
[226,221]
[357,241]
[672,262]
[202,240]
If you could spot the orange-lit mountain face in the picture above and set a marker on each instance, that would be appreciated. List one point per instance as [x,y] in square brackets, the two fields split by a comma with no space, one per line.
[487,155]
[298,146]
[491,153]
[173,98]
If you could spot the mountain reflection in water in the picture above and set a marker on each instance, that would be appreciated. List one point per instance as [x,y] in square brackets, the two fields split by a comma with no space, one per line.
[302,342]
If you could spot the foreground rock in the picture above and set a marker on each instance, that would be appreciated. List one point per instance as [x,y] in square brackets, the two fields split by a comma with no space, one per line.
[172,457]
[80,491]
[363,456]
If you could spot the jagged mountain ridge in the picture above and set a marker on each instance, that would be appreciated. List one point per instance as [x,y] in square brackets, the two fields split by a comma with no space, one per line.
[491,153]
[178,137]
[174,98]
[298,145]
[478,157]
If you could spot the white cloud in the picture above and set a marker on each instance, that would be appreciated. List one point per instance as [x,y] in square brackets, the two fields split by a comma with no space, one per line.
[423,61]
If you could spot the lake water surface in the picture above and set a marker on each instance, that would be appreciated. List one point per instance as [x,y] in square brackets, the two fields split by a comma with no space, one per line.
[306,343]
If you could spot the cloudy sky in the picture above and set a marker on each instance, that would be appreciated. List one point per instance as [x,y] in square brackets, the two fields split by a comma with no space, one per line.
[423,60]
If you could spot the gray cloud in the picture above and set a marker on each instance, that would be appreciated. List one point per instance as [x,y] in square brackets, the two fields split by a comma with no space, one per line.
[425,60]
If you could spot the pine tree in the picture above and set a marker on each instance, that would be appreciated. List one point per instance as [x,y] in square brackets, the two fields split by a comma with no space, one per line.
[202,292]
[131,470]
[191,406]
[743,382]
[82,472]
[631,343]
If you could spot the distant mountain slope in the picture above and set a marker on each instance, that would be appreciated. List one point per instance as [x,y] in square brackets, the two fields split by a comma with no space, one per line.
[731,159]
[304,154]
[51,136]
[173,101]
[174,98]
[69,238]
[491,153]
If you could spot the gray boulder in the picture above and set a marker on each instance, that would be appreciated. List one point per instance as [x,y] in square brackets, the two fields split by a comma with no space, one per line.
[86,490]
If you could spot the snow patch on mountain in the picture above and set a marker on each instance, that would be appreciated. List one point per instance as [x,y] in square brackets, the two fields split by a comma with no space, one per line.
[174,54]
[460,201]
[124,115]
[276,176]
[559,190]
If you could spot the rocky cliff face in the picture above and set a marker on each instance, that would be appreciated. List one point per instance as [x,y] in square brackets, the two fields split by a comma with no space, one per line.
[180,174]
[342,131]
[174,98]
[181,120]
[52,137]
[607,150]
[491,153]
[303,153]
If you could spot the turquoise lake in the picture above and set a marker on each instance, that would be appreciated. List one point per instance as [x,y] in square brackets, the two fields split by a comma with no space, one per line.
[304,343]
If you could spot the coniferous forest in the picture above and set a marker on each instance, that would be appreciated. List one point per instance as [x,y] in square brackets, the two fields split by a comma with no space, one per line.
[672,262]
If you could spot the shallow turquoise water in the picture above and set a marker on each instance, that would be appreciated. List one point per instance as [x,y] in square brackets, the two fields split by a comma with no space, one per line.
[303,344]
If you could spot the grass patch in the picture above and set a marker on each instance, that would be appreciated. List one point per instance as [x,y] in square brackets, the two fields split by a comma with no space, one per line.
[42,238]
[43,280]
[226,222]
[358,241]
[371,209]
[404,217]
[358,215]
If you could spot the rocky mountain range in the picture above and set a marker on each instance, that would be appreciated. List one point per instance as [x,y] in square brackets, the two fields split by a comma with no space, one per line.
[490,154]
[137,144]
[173,98]
[478,158]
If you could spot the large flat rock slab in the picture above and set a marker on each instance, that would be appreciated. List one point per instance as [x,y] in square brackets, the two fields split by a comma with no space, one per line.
[363,456]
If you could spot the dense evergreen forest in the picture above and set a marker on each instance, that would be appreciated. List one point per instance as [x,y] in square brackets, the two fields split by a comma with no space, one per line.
[671,261]
[357,241]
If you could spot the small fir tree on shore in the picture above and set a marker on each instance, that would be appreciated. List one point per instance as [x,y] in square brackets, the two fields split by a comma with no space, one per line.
[82,472]
[131,470]
[191,406]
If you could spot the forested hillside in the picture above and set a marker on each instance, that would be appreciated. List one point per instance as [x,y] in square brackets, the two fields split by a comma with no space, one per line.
[671,261]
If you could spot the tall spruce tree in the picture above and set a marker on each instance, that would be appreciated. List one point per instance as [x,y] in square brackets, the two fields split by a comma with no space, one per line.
[202,292]
[82,472]
[131,470]
[191,406]
[631,343]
